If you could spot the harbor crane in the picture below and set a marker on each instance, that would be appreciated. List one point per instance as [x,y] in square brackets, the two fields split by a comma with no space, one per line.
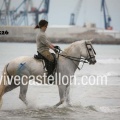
[19,15]
[74,15]
[4,12]
[44,11]
[107,18]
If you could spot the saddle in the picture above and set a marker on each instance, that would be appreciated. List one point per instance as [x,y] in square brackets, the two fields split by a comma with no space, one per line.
[50,66]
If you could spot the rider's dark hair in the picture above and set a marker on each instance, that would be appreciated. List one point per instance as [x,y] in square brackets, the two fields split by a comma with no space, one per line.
[41,24]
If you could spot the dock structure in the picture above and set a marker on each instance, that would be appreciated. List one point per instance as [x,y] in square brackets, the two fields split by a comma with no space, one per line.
[59,34]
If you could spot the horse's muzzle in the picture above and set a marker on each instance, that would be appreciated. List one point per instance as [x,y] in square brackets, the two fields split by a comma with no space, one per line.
[92,62]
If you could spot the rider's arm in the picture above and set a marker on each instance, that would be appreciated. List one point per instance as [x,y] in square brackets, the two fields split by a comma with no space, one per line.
[51,46]
[47,43]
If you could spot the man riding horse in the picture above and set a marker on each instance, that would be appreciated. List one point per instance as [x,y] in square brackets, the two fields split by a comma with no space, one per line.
[43,46]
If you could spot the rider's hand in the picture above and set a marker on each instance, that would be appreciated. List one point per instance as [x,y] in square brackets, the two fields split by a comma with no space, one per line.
[57,47]
[56,51]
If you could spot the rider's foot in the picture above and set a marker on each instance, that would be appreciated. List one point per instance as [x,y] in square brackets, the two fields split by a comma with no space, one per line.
[51,79]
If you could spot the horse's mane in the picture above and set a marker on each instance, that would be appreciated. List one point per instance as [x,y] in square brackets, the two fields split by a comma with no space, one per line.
[72,45]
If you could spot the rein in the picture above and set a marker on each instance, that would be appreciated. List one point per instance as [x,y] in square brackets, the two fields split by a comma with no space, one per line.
[81,59]
[75,59]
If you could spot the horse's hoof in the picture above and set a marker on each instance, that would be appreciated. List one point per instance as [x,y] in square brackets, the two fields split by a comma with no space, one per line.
[55,106]
[1,103]
[26,104]
[69,105]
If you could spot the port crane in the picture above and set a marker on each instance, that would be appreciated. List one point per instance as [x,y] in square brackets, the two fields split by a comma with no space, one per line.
[4,12]
[37,11]
[107,18]
[19,15]
[74,15]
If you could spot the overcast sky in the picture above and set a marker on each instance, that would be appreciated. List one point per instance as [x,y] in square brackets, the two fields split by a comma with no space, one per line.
[90,11]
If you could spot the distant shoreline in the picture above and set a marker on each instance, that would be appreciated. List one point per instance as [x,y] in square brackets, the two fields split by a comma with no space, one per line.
[27,34]
[112,42]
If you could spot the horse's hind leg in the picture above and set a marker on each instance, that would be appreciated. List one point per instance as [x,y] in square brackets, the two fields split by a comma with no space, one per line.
[2,89]
[23,89]
[11,87]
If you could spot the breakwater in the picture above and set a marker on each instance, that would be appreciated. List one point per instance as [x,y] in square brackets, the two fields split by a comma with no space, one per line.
[59,34]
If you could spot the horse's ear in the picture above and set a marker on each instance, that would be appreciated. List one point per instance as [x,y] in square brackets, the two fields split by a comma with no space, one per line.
[90,40]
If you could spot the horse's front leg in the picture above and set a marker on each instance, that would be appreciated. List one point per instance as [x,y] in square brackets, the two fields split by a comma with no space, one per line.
[61,89]
[23,89]
[67,93]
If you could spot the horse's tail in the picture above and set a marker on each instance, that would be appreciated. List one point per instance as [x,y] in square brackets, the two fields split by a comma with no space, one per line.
[3,83]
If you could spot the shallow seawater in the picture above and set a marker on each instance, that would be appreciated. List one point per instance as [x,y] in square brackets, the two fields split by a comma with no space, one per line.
[88,102]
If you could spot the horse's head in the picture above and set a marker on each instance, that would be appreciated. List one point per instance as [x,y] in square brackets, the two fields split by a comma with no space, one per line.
[89,52]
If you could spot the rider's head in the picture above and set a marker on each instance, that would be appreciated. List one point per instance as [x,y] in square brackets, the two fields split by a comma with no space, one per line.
[42,25]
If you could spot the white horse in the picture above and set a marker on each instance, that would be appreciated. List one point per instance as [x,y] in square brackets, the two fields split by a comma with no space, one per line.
[27,66]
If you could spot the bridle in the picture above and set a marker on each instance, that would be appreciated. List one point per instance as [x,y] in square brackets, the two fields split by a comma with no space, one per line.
[90,57]
[81,59]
